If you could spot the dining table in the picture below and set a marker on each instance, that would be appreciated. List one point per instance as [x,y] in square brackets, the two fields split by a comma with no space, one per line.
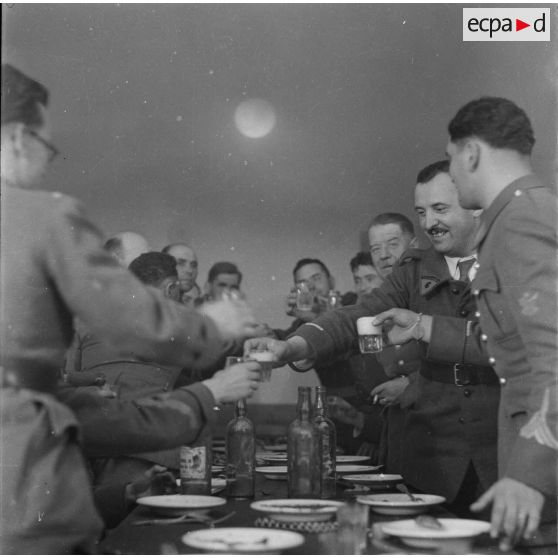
[142,533]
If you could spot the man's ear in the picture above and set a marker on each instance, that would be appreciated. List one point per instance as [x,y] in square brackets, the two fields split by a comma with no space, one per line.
[473,155]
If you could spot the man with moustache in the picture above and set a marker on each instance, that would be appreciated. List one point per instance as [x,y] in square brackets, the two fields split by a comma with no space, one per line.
[490,146]
[451,428]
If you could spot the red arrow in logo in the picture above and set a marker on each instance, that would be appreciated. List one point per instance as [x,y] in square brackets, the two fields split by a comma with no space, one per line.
[519,25]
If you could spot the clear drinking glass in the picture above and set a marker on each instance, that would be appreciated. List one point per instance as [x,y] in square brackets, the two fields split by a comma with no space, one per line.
[304,296]
[265,358]
[369,335]
[352,535]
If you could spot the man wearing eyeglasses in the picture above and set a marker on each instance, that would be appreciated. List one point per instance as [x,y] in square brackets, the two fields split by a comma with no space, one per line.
[53,270]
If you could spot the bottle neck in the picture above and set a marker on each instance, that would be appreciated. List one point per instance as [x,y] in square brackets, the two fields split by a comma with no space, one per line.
[320,409]
[240,408]
[303,406]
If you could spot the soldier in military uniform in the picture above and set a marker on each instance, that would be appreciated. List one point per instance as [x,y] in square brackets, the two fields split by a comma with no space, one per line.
[491,140]
[450,433]
[490,145]
[53,268]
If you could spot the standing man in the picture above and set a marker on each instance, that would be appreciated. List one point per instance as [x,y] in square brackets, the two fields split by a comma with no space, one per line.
[489,148]
[54,269]
[451,428]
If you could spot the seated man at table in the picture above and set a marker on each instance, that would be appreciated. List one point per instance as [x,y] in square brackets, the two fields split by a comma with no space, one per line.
[113,427]
[128,376]
[187,268]
[223,277]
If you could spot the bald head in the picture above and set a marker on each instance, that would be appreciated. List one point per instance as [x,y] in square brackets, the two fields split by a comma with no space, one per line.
[127,246]
[186,264]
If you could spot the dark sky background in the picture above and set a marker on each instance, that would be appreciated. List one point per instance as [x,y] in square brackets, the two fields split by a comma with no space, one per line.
[143,100]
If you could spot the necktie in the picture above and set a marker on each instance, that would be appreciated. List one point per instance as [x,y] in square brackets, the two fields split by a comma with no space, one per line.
[464,267]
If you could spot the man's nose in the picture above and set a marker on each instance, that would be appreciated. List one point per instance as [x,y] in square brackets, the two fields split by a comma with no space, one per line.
[430,220]
[385,253]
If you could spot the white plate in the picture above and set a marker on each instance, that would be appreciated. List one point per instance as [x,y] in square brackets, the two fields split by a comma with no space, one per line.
[273,457]
[351,458]
[377,481]
[217,468]
[276,447]
[356,468]
[400,504]
[242,540]
[177,504]
[302,509]
[455,530]
[273,472]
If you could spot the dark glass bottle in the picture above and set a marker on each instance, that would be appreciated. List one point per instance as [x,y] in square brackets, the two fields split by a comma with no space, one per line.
[241,454]
[195,466]
[303,452]
[328,435]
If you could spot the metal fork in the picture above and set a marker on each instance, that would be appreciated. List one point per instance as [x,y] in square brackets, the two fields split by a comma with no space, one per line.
[405,490]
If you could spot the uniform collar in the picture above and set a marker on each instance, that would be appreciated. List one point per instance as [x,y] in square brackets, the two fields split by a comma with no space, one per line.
[512,190]
[434,271]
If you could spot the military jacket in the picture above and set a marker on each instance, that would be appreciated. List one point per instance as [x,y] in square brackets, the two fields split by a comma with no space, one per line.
[447,426]
[515,287]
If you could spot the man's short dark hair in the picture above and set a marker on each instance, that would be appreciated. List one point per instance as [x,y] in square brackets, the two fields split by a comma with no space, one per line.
[396,219]
[21,97]
[431,171]
[152,268]
[223,267]
[362,258]
[308,261]
[497,121]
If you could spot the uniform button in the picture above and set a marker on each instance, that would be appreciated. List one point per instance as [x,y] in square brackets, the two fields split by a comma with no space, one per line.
[461,420]
[503,381]
[467,393]
[477,314]
[476,292]
[455,291]
[492,360]
[401,362]
[484,337]
[517,193]
[476,265]
[464,313]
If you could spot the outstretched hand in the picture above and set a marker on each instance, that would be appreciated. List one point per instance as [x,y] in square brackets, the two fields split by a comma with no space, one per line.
[239,381]
[233,318]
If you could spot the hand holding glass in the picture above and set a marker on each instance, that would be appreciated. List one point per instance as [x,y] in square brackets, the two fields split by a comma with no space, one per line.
[265,359]
[369,335]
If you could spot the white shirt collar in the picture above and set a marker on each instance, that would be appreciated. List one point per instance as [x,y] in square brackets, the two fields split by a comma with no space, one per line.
[454,270]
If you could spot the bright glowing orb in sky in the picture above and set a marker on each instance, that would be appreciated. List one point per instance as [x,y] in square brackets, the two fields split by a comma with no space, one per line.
[255,118]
